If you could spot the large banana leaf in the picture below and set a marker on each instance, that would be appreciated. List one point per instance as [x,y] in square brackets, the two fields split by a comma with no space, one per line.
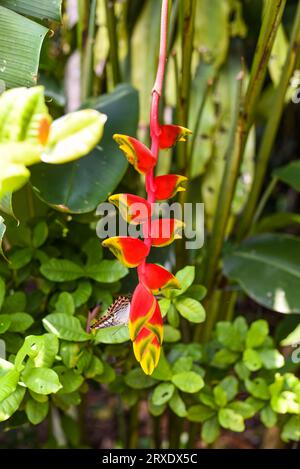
[78,187]
[21,39]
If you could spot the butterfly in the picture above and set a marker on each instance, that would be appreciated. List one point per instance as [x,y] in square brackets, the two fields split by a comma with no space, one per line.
[116,315]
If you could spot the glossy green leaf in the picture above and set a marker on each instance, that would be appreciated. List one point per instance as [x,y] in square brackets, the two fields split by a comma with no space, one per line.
[40,234]
[47,351]
[61,270]
[257,333]
[9,405]
[8,383]
[290,174]
[258,388]
[268,269]
[65,327]
[188,381]
[20,322]
[190,309]
[252,360]
[177,405]
[41,9]
[82,293]
[20,45]
[112,335]
[268,417]
[136,379]
[36,411]
[291,429]
[230,419]
[80,186]
[41,380]
[162,393]
[200,413]
[210,431]
[106,271]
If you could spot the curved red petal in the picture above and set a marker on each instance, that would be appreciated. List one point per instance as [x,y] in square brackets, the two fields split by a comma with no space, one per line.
[167,186]
[136,152]
[171,134]
[157,278]
[134,209]
[130,251]
[142,308]
[163,231]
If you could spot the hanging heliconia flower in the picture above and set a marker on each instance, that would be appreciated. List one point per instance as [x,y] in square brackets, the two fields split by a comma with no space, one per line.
[145,319]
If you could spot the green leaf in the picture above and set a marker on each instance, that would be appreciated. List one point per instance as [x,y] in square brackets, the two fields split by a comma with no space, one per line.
[106,271]
[36,411]
[200,413]
[2,233]
[171,334]
[164,305]
[95,367]
[271,359]
[292,338]
[5,322]
[20,322]
[198,292]
[2,291]
[210,431]
[65,327]
[156,410]
[182,364]
[47,351]
[76,187]
[61,270]
[230,387]
[40,234]
[188,381]
[69,379]
[41,9]
[136,379]
[41,380]
[241,370]
[73,136]
[231,420]
[9,405]
[268,417]
[223,358]
[69,353]
[245,409]
[6,205]
[20,258]
[162,393]
[82,293]
[14,303]
[268,269]
[173,316]
[252,359]
[258,388]
[291,430]
[257,333]
[290,174]
[112,335]
[93,251]
[185,277]
[163,371]
[190,309]
[177,405]
[21,41]
[229,335]
[8,383]
[65,303]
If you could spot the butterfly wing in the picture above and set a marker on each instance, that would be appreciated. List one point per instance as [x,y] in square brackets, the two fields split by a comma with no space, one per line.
[116,315]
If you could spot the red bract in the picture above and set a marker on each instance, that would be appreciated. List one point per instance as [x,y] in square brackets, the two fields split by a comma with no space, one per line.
[130,251]
[171,134]
[167,186]
[136,153]
[145,321]
[157,278]
[134,209]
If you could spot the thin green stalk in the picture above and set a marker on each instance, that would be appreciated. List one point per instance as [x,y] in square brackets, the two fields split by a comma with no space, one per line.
[271,128]
[133,427]
[88,62]
[113,41]
[188,14]
[273,12]
[263,201]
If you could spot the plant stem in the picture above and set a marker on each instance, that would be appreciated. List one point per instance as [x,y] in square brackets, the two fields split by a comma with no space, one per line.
[88,63]
[264,199]
[187,31]
[272,127]
[154,113]
[113,41]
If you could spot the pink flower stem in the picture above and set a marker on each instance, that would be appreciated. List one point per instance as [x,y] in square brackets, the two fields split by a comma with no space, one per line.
[154,113]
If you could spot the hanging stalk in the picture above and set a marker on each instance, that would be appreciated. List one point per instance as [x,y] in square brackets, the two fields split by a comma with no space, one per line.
[113,41]
[88,61]
[242,124]
[272,127]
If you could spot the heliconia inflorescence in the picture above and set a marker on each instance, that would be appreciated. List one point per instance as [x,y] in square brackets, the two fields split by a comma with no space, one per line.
[145,319]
